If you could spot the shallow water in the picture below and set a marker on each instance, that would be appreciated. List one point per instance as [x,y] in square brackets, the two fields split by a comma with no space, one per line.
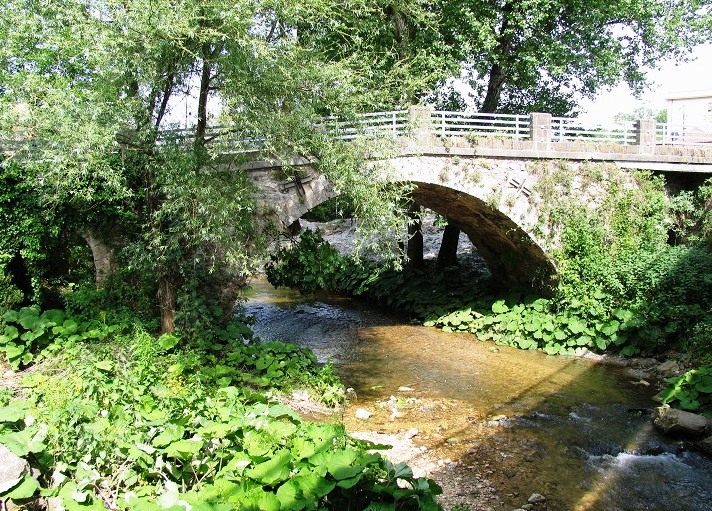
[513,422]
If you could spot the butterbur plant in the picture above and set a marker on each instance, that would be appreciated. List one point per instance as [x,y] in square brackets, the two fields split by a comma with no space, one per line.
[691,390]
[30,336]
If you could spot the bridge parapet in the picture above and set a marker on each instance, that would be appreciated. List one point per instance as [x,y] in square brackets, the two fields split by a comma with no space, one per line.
[539,135]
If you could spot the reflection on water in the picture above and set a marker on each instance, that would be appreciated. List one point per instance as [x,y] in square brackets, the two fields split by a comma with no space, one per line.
[526,421]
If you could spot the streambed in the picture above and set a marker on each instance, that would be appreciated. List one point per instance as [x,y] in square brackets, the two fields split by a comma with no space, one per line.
[493,425]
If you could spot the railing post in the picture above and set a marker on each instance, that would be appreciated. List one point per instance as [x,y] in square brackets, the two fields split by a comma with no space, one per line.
[420,120]
[540,130]
[645,136]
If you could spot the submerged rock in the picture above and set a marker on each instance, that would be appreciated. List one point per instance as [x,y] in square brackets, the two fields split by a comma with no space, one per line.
[363,414]
[669,367]
[679,422]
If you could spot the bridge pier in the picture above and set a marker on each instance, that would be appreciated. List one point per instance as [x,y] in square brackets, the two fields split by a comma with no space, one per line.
[415,236]
[447,255]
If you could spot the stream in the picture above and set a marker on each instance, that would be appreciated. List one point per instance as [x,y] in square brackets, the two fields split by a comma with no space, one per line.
[493,425]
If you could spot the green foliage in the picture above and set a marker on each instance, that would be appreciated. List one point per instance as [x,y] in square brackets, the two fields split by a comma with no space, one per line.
[545,324]
[178,213]
[641,113]
[543,54]
[30,336]
[10,296]
[691,391]
[164,424]
[691,215]
[28,232]
[126,297]
[332,209]
[308,265]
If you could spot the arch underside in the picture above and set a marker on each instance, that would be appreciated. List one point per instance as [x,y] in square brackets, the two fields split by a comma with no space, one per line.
[511,254]
[513,257]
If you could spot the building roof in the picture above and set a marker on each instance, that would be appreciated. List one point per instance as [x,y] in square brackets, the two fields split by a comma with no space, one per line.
[693,94]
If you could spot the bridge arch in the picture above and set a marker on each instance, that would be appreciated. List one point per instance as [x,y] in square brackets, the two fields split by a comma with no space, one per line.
[512,255]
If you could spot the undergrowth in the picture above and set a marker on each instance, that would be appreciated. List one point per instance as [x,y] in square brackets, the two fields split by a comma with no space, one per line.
[113,417]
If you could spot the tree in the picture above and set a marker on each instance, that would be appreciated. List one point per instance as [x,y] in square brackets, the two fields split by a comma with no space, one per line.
[552,51]
[641,113]
[397,48]
[92,88]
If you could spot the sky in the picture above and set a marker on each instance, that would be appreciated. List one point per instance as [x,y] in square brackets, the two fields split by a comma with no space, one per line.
[694,75]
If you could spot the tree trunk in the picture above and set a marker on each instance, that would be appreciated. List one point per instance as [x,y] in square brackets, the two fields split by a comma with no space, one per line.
[203,94]
[167,302]
[494,89]
[415,237]
[105,263]
[498,71]
[447,256]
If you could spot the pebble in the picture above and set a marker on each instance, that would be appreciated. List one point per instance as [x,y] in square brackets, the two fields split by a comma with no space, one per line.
[406,389]
[363,414]
[411,433]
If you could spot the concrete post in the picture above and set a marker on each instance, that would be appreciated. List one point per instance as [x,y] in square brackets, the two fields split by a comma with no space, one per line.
[420,120]
[645,136]
[540,130]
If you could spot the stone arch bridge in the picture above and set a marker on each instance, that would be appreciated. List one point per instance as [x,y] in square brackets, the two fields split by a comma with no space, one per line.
[493,175]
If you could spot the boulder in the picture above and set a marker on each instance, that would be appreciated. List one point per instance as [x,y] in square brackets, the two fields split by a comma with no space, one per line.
[12,469]
[679,422]
[669,367]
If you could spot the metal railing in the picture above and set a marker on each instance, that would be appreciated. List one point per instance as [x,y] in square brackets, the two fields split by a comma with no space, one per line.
[568,129]
[671,134]
[447,123]
[399,123]
[391,124]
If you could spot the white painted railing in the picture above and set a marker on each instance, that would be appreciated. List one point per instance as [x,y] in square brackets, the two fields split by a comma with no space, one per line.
[671,134]
[447,123]
[380,124]
[568,129]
